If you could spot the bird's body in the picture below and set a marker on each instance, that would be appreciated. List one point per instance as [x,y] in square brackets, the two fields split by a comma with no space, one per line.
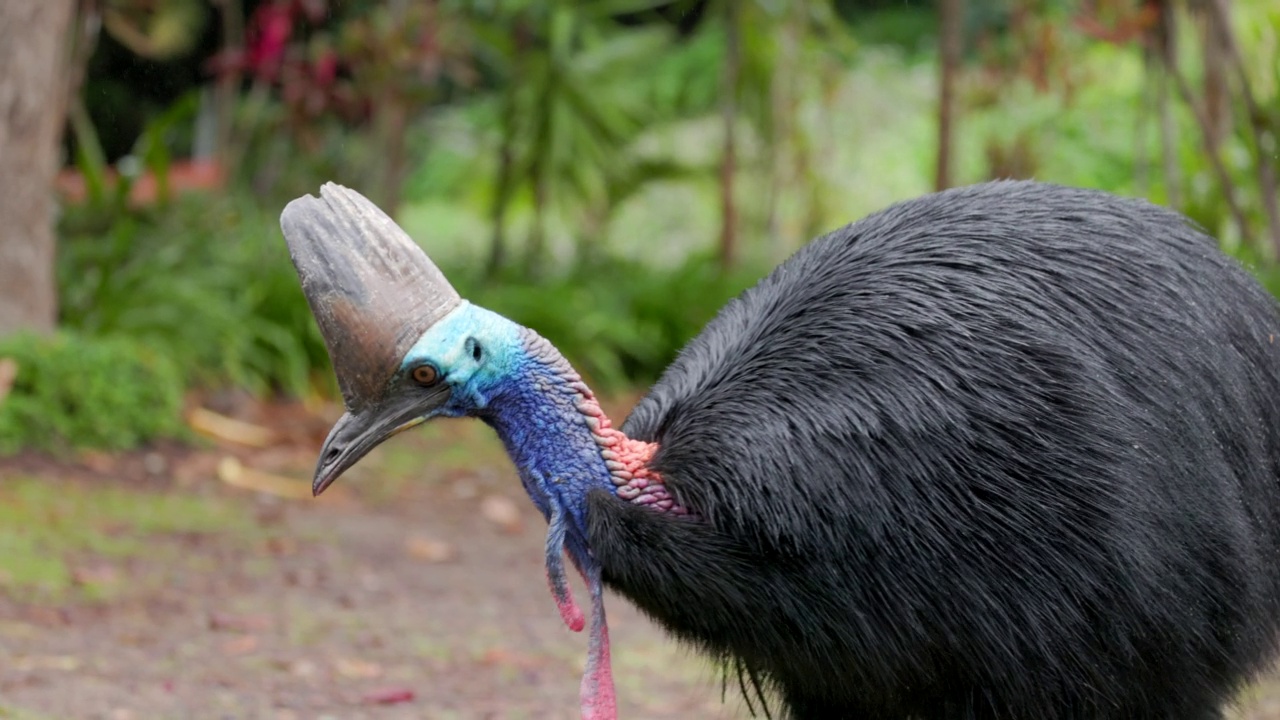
[1011,451]
[1008,451]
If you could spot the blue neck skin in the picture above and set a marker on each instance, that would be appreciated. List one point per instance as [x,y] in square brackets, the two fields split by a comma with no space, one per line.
[518,384]
[535,413]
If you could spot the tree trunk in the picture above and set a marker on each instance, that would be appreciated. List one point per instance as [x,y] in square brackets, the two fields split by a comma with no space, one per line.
[783,97]
[1217,97]
[1168,140]
[33,40]
[228,87]
[506,182]
[729,114]
[1164,35]
[505,187]
[393,124]
[950,36]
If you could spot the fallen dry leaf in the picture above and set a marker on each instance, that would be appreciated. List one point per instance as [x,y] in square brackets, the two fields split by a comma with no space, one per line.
[221,427]
[280,545]
[49,616]
[94,575]
[268,511]
[239,623]
[430,549]
[242,645]
[502,657]
[356,668]
[389,695]
[232,472]
[195,468]
[66,663]
[155,463]
[99,462]
[501,511]
[465,489]
[15,629]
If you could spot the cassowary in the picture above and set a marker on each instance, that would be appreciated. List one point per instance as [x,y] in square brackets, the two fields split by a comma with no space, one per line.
[1006,451]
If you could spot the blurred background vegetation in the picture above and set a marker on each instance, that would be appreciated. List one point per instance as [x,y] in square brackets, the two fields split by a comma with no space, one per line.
[609,172]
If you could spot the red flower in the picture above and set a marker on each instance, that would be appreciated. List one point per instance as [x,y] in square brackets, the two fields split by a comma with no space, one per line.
[326,67]
[273,26]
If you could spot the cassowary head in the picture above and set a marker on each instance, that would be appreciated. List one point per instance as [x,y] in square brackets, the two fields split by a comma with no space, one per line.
[406,348]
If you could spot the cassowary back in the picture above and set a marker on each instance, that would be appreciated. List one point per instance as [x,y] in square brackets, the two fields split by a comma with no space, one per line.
[1004,451]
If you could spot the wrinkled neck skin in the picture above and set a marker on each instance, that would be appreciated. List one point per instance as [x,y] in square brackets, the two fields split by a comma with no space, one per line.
[563,446]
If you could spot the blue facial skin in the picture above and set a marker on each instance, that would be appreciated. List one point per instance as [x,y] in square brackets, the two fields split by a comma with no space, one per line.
[522,393]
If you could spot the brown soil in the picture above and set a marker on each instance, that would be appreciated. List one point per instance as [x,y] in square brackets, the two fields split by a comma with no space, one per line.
[413,589]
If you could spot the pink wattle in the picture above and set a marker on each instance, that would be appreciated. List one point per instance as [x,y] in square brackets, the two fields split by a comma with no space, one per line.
[597,696]
[628,461]
[570,613]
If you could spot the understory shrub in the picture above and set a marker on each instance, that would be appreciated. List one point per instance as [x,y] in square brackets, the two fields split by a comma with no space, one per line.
[72,390]
[619,322]
[208,284]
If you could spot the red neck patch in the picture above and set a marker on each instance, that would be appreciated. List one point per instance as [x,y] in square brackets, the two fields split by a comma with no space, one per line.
[628,462]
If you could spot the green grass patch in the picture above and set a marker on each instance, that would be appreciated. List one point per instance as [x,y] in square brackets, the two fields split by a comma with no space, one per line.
[46,527]
[12,713]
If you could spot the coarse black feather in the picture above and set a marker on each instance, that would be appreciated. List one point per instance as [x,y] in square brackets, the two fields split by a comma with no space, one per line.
[1005,451]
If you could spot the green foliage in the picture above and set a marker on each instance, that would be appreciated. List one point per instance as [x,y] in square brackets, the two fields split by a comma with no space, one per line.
[910,27]
[74,390]
[599,140]
[620,324]
[161,31]
[578,91]
[208,285]
[151,152]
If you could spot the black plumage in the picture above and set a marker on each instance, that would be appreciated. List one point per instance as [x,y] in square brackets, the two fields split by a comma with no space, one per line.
[1006,451]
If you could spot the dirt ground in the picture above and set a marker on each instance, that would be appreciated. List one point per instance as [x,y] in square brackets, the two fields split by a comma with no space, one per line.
[207,583]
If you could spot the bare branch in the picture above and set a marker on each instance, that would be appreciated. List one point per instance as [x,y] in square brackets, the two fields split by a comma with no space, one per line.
[1215,159]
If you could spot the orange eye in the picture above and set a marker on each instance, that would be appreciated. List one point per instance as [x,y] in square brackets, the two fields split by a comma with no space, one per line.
[425,375]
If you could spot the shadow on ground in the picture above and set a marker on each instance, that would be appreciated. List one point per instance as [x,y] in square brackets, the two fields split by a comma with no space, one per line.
[206,583]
